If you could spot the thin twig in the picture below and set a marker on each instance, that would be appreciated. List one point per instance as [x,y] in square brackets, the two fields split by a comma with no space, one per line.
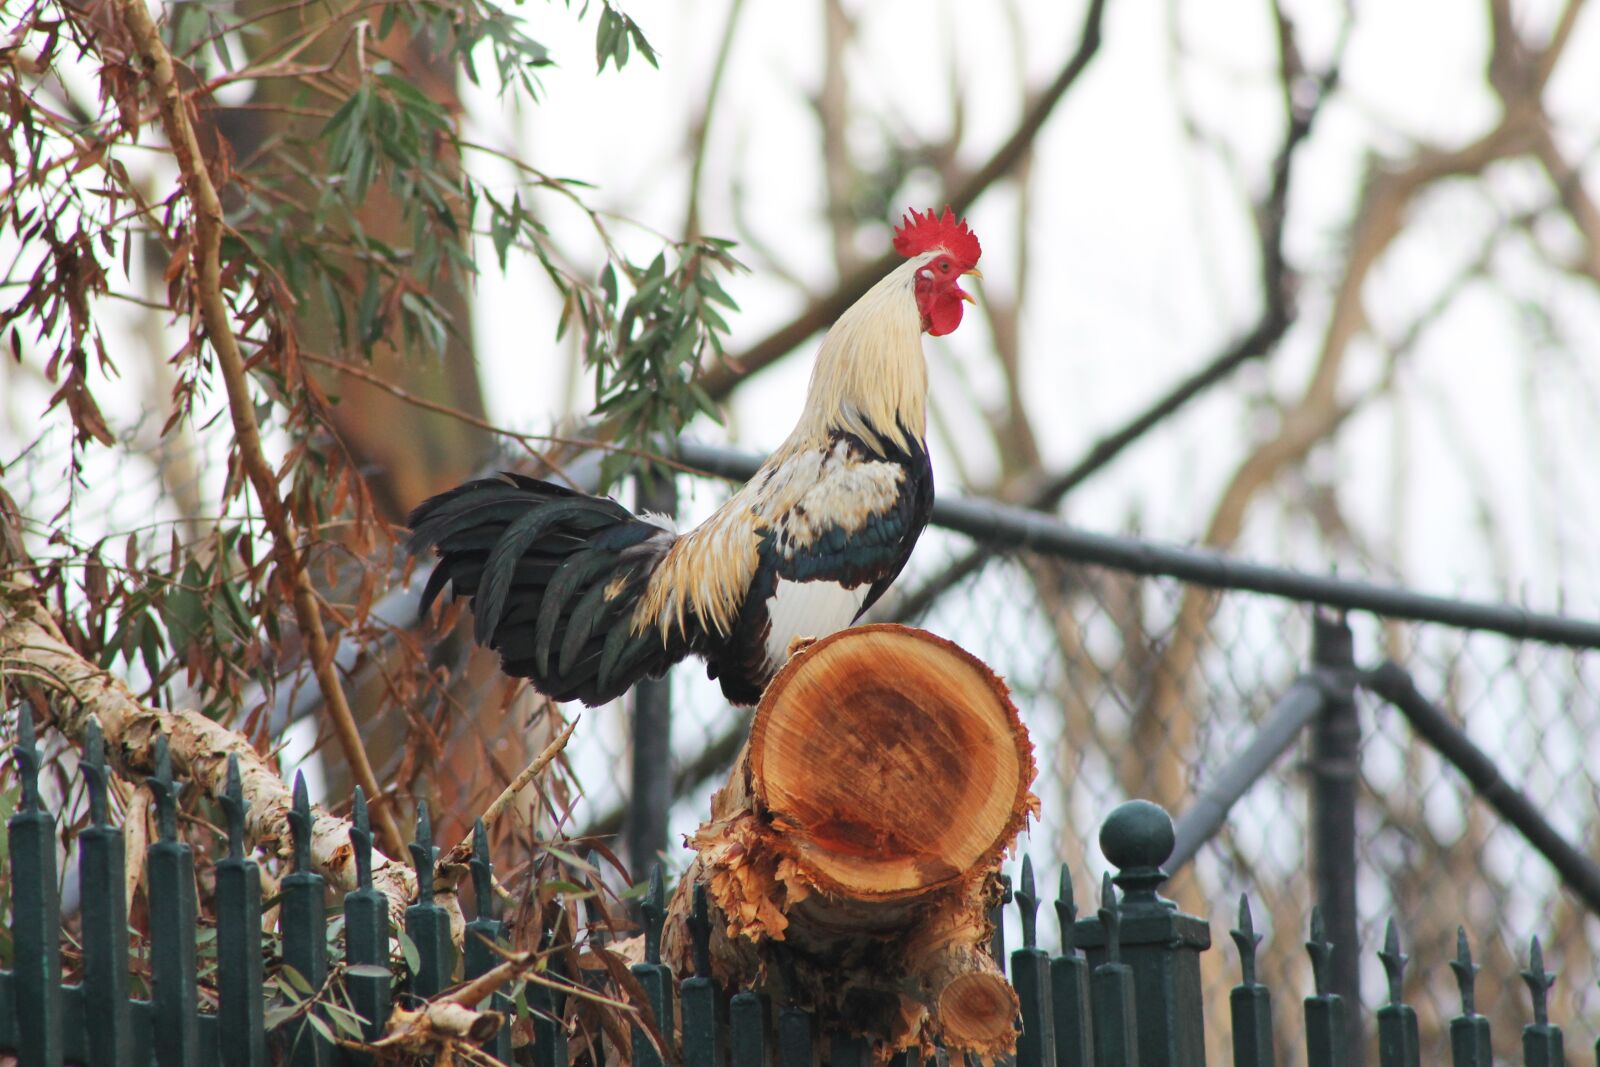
[701,133]
[463,848]
[529,773]
[406,396]
[1278,282]
[218,328]
[721,379]
[135,837]
[435,406]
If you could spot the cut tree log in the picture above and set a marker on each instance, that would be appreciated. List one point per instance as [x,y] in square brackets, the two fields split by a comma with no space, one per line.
[852,858]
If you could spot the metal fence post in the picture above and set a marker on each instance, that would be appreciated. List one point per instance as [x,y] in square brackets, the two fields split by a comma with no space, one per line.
[702,1037]
[1159,947]
[1326,1029]
[35,911]
[1069,986]
[170,891]
[240,975]
[747,1035]
[1335,767]
[1250,1001]
[366,932]
[1116,1028]
[1398,1043]
[1030,975]
[1542,1044]
[487,930]
[549,1009]
[427,924]
[1469,1031]
[104,917]
[650,794]
[303,919]
[655,978]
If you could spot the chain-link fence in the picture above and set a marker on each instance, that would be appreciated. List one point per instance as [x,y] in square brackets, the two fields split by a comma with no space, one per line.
[1138,685]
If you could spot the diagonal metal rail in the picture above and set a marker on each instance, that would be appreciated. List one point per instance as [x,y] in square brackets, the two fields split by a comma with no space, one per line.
[1579,872]
[1299,706]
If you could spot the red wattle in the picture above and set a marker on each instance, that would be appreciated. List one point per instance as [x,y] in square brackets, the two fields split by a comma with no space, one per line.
[941,314]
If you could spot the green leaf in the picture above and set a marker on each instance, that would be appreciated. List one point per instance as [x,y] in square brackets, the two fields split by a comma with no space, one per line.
[150,646]
[708,285]
[408,949]
[278,1014]
[322,1028]
[572,860]
[643,45]
[605,38]
[296,980]
[348,1021]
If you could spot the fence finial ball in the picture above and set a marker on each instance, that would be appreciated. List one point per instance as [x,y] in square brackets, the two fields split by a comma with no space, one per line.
[1137,834]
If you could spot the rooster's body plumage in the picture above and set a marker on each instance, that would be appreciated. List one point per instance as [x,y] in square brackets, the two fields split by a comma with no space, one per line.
[585,598]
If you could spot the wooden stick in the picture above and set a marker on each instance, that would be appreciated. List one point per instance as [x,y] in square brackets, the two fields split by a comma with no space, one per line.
[463,848]
[206,250]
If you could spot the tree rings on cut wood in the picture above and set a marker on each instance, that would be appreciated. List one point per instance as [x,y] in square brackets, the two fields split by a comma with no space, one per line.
[891,761]
[852,858]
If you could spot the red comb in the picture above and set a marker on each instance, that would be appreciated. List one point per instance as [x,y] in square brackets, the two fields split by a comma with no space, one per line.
[917,234]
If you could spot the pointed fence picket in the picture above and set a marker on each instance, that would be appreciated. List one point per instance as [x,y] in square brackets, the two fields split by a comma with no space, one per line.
[1123,991]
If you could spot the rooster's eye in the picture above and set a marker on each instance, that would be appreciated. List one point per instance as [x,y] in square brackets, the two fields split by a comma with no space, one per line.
[944,265]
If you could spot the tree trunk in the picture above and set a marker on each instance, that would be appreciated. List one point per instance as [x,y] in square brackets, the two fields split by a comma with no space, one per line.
[852,859]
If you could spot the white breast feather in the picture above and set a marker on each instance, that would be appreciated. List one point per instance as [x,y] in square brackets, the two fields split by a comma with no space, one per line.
[808,609]
[799,492]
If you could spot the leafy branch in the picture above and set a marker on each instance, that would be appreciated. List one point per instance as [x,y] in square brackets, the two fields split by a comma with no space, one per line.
[647,357]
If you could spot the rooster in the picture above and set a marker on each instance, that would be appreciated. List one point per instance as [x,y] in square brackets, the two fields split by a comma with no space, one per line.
[585,598]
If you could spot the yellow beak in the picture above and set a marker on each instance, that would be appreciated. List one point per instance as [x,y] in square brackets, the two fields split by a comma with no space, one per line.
[973,273]
[962,293]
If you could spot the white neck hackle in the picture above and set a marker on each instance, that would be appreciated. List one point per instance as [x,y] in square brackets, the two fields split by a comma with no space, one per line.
[870,378]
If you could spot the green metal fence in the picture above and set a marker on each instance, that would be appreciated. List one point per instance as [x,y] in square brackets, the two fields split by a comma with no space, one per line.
[1125,990]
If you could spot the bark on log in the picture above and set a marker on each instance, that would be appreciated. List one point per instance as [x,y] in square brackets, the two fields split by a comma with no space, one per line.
[852,858]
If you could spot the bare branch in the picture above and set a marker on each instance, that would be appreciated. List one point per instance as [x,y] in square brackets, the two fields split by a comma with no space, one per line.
[832,105]
[218,328]
[1550,54]
[200,748]
[463,848]
[720,380]
[1313,418]
[1278,282]
[701,130]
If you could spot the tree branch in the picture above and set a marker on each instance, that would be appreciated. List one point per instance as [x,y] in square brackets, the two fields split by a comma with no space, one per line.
[720,380]
[1278,284]
[463,848]
[1164,724]
[206,241]
[700,133]
[1545,64]
[200,748]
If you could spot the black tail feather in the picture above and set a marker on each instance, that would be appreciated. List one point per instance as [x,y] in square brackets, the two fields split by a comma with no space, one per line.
[554,578]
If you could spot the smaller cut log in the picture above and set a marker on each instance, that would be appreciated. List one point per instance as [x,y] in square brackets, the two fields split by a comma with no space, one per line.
[852,858]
